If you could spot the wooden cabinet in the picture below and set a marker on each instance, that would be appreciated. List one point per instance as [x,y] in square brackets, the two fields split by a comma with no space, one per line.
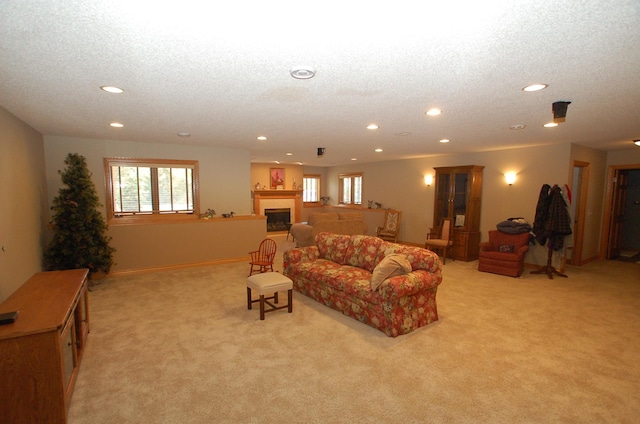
[41,351]
[459,196]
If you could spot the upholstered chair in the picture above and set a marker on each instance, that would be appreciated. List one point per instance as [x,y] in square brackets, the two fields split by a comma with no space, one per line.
[390,227]
[504,253]
[443,241]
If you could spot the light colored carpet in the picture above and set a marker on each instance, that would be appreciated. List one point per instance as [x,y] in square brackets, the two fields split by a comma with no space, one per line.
[181,347]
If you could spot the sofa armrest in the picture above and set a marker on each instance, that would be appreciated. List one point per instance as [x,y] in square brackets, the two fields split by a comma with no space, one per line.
[409,284]
[294,256]
[302,234]
[522,250]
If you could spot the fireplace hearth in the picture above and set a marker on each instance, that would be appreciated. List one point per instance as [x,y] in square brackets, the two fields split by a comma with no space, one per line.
[278,219]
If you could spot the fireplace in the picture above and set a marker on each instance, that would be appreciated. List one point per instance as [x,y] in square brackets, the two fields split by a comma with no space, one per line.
[272,199]
[278,219]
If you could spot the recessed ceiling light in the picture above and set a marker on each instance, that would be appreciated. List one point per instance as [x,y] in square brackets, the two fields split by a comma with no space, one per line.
[378,150]
[535,87]
[261,137]
[289,154]
[517,127]
[184,134]
[434,112]
[116,125]
[636,142]
[444,140]
[111,89]
[302,72]
[551,125]
[354,158]
[372,127]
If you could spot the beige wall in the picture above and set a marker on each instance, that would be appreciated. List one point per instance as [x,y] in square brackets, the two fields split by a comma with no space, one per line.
[400,185]
[224,187]
[596,161]
[261,173]
[154,246]
[224,173]
[23,209]
[624,157]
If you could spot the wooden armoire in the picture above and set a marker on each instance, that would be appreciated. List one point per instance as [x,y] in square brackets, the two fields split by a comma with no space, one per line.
[459,196]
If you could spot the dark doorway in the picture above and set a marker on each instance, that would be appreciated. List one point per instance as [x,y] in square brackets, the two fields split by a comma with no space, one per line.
[623,220]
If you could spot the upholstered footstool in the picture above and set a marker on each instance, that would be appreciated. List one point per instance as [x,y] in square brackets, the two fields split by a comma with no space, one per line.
[269,283]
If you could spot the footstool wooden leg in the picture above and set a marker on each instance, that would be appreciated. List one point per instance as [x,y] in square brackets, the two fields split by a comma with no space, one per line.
[266,286]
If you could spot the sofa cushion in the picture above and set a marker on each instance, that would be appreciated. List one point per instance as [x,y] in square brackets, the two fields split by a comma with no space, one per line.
[365,252]
[345,277]
[333,247]
[350,216]
[392,265]
[316,217]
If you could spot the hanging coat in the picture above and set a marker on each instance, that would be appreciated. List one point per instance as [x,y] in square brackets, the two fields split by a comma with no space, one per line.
[542,214]
[559,221]
[552,221]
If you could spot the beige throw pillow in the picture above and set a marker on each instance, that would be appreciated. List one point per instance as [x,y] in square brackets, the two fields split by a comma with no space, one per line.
[392,265]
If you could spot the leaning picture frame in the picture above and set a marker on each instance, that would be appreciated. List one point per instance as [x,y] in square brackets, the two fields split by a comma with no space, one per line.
[277,178]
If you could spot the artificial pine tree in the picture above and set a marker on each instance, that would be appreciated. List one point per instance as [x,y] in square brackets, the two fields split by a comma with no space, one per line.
[79,230]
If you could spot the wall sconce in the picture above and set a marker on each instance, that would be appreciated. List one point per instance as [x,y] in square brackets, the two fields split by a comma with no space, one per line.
[510,177]
[428,179]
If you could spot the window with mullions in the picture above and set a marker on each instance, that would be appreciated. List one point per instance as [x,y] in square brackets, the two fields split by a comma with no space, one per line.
[145,189]
[311,188]
[350,188]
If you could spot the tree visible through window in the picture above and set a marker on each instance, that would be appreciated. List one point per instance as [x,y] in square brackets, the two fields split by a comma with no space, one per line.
[149,188]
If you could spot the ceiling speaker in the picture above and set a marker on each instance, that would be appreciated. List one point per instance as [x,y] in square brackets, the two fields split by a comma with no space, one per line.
[559,111]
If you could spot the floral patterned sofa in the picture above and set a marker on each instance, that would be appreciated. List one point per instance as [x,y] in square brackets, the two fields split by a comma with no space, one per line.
[389,286]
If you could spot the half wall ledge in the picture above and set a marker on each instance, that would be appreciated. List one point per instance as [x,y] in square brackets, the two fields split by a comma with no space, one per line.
[200,241]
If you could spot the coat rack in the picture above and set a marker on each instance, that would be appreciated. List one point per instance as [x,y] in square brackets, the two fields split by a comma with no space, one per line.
[551,225]
[548,268]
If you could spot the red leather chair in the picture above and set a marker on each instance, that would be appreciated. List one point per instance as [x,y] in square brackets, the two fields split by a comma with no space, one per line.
[504,253]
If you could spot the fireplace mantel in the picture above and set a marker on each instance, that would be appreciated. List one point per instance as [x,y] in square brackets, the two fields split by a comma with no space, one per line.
[295,195]
[288,193]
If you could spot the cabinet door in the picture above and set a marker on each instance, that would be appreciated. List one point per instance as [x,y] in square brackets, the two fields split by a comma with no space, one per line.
[68,352]
[443,198]
[460,199]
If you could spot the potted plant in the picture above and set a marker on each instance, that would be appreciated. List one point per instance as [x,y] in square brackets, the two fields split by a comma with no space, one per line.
[79,230]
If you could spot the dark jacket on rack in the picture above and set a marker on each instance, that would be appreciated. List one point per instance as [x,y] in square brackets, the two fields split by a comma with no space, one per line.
[552,219]
[542,214]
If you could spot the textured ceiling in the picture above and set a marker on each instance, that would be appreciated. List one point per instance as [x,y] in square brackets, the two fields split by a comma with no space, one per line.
[220,71]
